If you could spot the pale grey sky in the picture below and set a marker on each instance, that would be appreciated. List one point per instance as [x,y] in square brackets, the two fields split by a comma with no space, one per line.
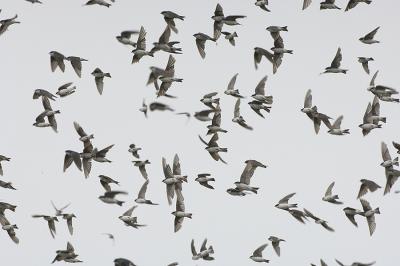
[298,160]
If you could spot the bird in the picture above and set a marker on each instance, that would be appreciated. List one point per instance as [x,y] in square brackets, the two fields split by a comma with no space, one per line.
[208,100]
[388,162]
[98,2]
[180,212]
[100,156]
[283,204]
[384,93]
[236,192]
[230,37]
[165,45]
[169,17]
[367,185]
[203,180]
[123,262]
[364,62]
[279,49]
[6,23]
[328,4]
[133,149]
[213,148]
[306,3]
[391,174]
[2,159]
[59,211]
[43,93]
[172,183]
[105,182]
[67,255]
[34,1]
[125,37]
[351,213]
[353,3]
[368,124]
[335,129]
[130,220]
[204,114]
[369,214]
[144,108]
[204,251]
[140,50]
[257,106]
[141,198]
[49,113]
[142,167]
[72,156]
[7,185]
[329,197]
[9,228]
[50,222]
[259,92]
[356,263]
[237,118]
[76,63]
[317,220]
[57,61]
[167,78]
[68,217]
[65,90]
[257,254]
[83,136]
[160,107]
[312,112]
[215,126]
[99,79]
[369,38]
[275,244]
[335,65]
[220,20]
[201,39]
[259,53]
[230,90]
[109,197]
[247,174]
[262,4]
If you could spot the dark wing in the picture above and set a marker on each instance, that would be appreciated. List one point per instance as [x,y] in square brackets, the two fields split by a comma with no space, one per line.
[371,35]
[141,42]
[338,59]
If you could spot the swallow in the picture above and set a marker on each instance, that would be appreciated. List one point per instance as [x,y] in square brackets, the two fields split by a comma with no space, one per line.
[43,93]
[100,156]
[160,107]
[356,263]
[203,180]
[298,215]
[50,222]
[76,63]
[204,251]
[130,220]
[335,129]
[275,244]
[369,38]
[329,197]
[247,174]
[375,116]
[328,4]
[142,167]
[368,124]
[220,19]
[72,156]
[165,45]
[236,192]
[99,79]
[230,37]
[169,17]
[262,4]
[317,220]
[392,176]
[140,50]
[7,185]
[259,92]
[83,136]
[105,182]
[209,101]
[65,90]
[98,2]
[34,1]
[279,47]
[59,211]
[257,254]
[215,126]
[204,114]
[57,61]
[49,113]
[201,39]
[9,228]
[3,158]
[257,106]
[335,65]
[237,118]
[383,92]
[141,198]
[364,62]
[133,149]
[231,88]
[67,255]
[109,197]
[213,148]
[283,204]
[180,213]
[354,3]
[351,213]
[367,185]
[125,37]
[172,183]
[155,72]
[388,162]
[312,112]
[167,78]
[395,145]
[6,206]
[369,214]
[68,217]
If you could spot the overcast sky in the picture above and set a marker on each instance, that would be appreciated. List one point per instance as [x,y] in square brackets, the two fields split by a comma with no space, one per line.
[298,160]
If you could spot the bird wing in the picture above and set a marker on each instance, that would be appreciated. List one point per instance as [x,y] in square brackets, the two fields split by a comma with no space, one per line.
[260,89]
[365,204]
[309,214]
[352,219]
[338,122]
[170,68]
[371,35]
[76,65]
[193,248]
[236,112]
[143,189]
[69,224]
[143,171]
[216,121]
[367,113]
[79,129]
[365,67]
[285,199]
[141,42]
[276,247]
[129,211]
[329,189]
[338,58]
[259,250]
[372,82]
[231,85]
[308,99]
[166,169]
[385,152]
[176,167]
[164,38]
[203,246]
[201,46]
[46,103]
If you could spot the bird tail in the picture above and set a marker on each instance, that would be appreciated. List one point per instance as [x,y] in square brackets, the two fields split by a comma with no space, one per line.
[178,80]
[254,189]
[211,179]
[396,161]
[184,178]
[190,216]
[224,150]
[377,211]
[290,51]
[284,28]
[211,250]
[344,71]
[267,261]
[368,2]
[293,205]
[346,131]
[379,126]
[107,75]
[57,112]
[383,119]
[396,100]
[181,17]
[120,203]
[235,34]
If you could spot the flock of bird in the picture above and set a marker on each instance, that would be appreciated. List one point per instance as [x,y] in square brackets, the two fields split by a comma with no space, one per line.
[163,79]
